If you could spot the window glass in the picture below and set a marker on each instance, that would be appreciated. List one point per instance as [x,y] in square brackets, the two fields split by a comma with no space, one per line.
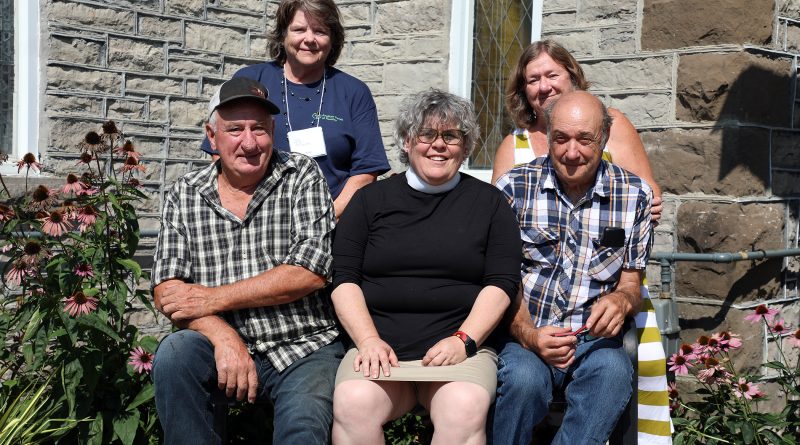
[502,31]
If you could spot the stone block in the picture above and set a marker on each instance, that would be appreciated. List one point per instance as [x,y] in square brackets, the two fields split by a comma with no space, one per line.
[151,203]
[407,16]
[560,19]
[160,27]
[258,46]
[554,5]
[194,67]
[786,183]
[76,50]
[640,74]
[68,78]
[643,109]
[388,106]
[152,171]
[737,86]
[405,78]
[187,113]
[139,128]
[708,227]
[237,18]
[174,170]
[617,40]
[367,72]
[667,25]
[191,8]
[155,84]
[152,223]
[158,109]
[210,86]
[231,65]
[89,16]
[258,6]
[354,13]
[65,133]
[417,47]
[603,12]
[579,43]
[216,39]
[151,147]
[152,5]
[186,148]
[702,319]
[74,105]
[789,8]
[126,109]
[786,149]
[723,161]
[792,38]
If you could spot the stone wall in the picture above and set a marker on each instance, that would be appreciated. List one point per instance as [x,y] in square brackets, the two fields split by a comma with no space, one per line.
[712,93]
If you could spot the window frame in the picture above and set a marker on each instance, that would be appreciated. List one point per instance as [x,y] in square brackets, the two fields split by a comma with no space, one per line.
[25,127]
[462,24]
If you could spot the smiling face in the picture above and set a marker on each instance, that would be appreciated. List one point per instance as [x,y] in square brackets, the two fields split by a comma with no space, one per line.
[307,42]
[545,80]
[576,125]
[242,134]
[435,162]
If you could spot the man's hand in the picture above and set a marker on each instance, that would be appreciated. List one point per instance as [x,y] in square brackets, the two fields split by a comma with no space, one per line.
[373,355]
[608,315]
[447,351]
[236,371]
[181,301]
[558,351]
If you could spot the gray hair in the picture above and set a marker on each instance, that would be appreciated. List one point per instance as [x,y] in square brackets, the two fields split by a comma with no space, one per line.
[435,105]
[605,124]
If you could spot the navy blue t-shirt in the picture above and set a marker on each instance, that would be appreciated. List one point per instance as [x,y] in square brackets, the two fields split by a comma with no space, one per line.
[349,121]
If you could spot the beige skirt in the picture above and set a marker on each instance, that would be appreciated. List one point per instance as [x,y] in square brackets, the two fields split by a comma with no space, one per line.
[480,369]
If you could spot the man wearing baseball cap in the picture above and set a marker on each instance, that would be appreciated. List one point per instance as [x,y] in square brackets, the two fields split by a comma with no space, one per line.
[243,250]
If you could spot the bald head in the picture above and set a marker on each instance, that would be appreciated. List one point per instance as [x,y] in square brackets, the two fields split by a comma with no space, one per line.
[578,125]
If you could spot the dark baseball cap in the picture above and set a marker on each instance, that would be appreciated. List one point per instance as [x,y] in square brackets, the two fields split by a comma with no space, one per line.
[241,88]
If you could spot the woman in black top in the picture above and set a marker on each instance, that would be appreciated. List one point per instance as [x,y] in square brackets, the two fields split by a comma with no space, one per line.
[425,265]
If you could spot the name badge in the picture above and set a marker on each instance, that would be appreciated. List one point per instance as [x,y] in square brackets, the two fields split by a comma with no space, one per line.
[309,142]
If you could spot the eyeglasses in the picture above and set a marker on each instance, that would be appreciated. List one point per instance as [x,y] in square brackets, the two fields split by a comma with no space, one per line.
[450,137]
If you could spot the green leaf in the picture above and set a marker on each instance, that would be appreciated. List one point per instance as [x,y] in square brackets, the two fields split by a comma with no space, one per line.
[92,321]
[679,438]
[131,265]
[145,395]
[33,325]
[125,425]
[96,431]
[747,432]
[771,436]
[775,365]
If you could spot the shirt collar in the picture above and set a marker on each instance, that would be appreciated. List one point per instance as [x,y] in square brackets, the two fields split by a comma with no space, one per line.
[600,189]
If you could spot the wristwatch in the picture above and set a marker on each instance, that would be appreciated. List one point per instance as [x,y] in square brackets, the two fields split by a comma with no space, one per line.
[469,343]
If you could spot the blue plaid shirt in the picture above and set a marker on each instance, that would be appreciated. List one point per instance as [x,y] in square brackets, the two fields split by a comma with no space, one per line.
[564,267]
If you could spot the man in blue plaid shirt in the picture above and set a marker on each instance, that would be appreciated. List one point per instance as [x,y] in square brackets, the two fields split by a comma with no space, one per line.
[243,251]
[586,231]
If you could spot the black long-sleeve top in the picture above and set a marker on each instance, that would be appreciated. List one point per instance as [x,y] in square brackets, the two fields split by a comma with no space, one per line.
[421,259]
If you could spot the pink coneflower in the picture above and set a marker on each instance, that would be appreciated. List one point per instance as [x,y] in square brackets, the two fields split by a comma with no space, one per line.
[29,161]
[672,390]
[746,390]
[55,224]
[84,270]
[132,163]
[778,327]
[92,143]
[127,150]
[7,247]
[679,363]
[79,303]
[86,216]
[141,360]
[761,311]
[688,351]
[86,158]
[714,372]
[73,185]
[33,252]
[41,199]
[727,341]
[19,270]
[135,183]
[6,213]
[794,339]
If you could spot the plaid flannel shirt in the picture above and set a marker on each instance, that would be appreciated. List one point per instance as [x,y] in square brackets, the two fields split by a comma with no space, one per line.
[288,221]
[564,267]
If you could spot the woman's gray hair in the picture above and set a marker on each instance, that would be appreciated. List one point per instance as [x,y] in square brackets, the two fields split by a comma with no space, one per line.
[434,106]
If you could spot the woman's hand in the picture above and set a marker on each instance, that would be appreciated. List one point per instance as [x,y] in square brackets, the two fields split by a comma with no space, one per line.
[448,351]
[373,355]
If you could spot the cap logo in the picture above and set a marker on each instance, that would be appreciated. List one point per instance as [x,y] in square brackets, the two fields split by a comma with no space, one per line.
[258,92]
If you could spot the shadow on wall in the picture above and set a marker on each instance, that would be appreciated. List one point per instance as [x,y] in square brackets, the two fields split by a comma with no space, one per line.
[749,97]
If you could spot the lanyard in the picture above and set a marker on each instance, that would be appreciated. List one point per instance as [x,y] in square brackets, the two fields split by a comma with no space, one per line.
[286,96]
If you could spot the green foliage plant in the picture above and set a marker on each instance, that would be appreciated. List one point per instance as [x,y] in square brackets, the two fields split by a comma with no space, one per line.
[68,284]
[725,407]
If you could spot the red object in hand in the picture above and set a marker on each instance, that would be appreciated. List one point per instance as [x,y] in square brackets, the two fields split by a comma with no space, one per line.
[576,332]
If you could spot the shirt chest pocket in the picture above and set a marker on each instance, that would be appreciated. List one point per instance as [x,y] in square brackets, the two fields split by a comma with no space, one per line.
[606,263]
[540,247]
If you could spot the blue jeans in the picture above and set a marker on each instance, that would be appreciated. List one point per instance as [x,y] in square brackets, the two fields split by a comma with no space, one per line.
[192,409]
[597,387]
